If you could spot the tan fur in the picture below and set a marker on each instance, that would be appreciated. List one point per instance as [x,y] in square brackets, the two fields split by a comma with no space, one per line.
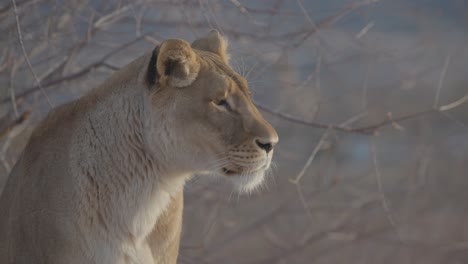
[101,179]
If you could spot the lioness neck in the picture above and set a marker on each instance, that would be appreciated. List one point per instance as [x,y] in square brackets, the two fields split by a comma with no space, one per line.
[123,185]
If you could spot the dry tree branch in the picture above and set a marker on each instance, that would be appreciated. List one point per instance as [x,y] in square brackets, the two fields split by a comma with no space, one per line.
[93,28]
[372,128]
[207,18]
[310,159]
[299,176]
[274,238]
[239,6]
[6,9]
[20,37]
[13,99]
[307,16]
[332,19]
[365,85]
[113,16]
[12,73]
[454,104]
[353,119]
[318,86]
[78,74]
[304,202]
[365,130]
[257,223]
[455,120]
[383,198]
[10,132]
[441,80]
[304,32]
[365,29]
[18,121]
[28,91]
[335,225]
[187,17]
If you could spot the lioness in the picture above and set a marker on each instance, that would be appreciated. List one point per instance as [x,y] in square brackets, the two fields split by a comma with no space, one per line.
[101,179]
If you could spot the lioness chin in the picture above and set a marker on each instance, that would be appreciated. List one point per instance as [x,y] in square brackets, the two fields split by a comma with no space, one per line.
[101,179]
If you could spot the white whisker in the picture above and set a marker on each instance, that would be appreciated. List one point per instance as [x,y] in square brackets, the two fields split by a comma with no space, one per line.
[247,75]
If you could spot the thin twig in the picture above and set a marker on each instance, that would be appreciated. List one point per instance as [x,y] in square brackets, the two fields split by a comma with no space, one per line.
[364,30]
[10,132]
[458,122]
[310,159]
[113,16]
[18,121]
[304,202]
[371,129]
[366,130]
[335,225]
[333,19]
[13,101]
[20,37]
[257,223]
[241,8]
[318,86]
[365,86]
[274,238]
[383,198]
[307,16]
[441,80]
[452,105]
[12,94]
[75,75]
[353,119]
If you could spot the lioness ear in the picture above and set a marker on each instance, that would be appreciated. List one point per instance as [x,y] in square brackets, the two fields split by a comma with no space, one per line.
[176,63]
[214,43]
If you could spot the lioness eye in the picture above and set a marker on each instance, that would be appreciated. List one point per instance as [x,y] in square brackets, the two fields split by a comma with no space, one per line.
[223,103]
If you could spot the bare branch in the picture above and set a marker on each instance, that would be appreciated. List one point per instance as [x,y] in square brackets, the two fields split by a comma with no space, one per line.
[364,30]
[441,80]
[353,119]
[13,99]
[366,130]
[455,104]
[241,8]
[274,238]
[10,132]
[304,203]
[307,16]
[25,54]
[334,225]
[310,159]
[78,74]
[18,121]
[112,17]
[332,19]
[383,198]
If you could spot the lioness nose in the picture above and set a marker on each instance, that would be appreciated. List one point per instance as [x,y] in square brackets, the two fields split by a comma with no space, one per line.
[266,144]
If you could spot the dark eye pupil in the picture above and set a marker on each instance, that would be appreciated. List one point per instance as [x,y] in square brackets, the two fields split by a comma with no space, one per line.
[224,103]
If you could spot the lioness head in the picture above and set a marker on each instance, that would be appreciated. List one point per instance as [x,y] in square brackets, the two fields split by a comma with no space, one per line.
[215,126]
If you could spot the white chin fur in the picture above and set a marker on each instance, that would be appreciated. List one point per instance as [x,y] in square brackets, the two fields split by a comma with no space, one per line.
[247,183]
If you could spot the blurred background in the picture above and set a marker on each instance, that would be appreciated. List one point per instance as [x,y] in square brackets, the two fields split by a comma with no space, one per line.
[370,100]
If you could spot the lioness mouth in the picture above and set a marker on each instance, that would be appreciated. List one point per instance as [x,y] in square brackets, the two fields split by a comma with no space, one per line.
[229,172]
